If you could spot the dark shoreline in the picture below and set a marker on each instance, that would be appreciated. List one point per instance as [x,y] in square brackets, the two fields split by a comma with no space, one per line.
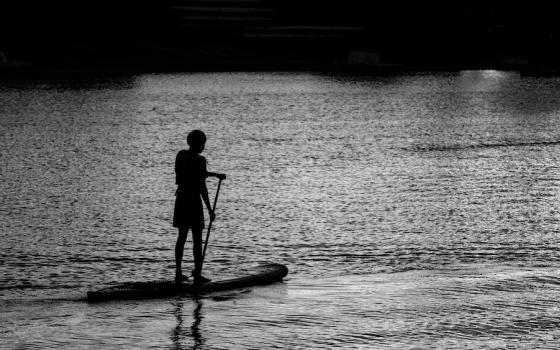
[389,69]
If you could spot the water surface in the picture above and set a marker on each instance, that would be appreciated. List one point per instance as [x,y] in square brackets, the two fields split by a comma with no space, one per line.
[414,211]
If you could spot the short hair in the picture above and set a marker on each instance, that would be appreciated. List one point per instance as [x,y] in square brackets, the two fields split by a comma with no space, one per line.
[196,138]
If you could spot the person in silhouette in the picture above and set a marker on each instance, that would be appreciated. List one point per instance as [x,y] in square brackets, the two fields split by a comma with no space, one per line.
[190,177]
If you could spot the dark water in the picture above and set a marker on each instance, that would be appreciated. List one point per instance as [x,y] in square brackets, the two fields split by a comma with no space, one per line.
[414,212]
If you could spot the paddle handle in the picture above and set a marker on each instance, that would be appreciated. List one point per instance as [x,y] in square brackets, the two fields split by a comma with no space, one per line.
[210,224]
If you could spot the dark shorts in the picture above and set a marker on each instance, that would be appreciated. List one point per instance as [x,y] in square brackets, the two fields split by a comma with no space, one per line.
[188,213]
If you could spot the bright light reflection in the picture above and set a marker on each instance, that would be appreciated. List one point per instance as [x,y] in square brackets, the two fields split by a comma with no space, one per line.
[495,74]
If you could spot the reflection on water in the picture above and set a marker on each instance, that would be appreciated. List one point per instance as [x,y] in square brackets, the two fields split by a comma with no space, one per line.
[180,336]
[414,211]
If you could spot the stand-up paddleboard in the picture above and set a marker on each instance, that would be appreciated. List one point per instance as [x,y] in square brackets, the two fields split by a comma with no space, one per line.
[260,275]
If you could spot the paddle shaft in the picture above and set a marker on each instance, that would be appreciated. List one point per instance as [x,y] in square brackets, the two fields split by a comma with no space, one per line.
[210,225]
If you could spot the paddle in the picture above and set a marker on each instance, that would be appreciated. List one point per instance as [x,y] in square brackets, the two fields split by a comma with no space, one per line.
[210,225]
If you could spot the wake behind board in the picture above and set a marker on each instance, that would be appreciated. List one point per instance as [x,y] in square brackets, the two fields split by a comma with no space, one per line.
[263,274]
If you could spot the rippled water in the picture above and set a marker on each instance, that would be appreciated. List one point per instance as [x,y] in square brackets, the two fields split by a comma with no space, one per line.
[415,211]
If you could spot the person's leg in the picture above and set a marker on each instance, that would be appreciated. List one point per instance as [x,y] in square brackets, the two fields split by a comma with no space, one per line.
[197,254]
[179,247]
[197,251]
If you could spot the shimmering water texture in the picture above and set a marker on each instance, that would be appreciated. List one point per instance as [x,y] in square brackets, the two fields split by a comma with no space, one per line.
[414,212]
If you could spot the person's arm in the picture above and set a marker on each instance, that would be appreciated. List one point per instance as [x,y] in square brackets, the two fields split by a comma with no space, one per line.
[204,193]
[218,175]
[179,168]
[204,189]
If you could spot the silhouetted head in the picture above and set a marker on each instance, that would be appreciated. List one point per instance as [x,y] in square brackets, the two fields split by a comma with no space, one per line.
[196,140]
